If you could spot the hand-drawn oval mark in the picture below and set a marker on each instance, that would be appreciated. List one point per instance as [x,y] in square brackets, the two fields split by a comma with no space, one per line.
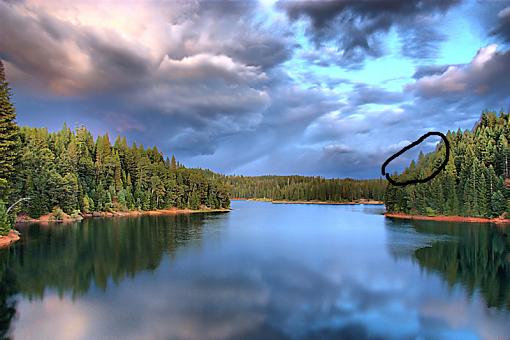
[410,146]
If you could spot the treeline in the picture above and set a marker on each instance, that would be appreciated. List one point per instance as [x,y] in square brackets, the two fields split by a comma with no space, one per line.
[70,170]
[302,188]
[473,182]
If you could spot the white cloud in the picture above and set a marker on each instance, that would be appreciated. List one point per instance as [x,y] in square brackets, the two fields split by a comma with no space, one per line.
[481,77]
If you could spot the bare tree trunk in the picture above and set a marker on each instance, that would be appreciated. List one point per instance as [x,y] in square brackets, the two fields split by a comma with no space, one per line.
[18,201]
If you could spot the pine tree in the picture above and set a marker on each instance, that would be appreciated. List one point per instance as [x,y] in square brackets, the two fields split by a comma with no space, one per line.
[498,204]
[9,140]
[475,181]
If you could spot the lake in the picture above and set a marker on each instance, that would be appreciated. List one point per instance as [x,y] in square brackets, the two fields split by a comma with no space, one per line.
[262,271]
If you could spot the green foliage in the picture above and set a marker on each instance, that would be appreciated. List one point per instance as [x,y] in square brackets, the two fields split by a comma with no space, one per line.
[498,203]
[75,214]
[301,188]
[430,212]
[69,170]
[5,224]
[58,214]
[9,139]
[473,182]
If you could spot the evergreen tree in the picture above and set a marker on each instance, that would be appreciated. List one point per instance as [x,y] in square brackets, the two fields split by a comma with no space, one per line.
[498,204]
[9,139]
[475,181]
[301,188]
[69,170]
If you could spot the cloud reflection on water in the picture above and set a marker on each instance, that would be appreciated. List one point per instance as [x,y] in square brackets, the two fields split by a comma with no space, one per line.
[321,283]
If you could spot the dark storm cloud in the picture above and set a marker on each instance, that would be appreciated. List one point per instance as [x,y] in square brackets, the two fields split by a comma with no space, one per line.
[45,53]
[208,82]
[356,25]
[63,58]
[262,50]
[79,58]
[502,29]
[114,60]
[218,8]
[421,40]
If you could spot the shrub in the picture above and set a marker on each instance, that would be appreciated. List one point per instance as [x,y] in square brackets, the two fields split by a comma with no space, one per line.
[58,214]
[75,214]
[430,212]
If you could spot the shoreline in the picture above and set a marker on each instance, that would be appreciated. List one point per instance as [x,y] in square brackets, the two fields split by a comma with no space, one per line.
[14,236]
[9,239]
[104,214]
[448,218]
[368,202]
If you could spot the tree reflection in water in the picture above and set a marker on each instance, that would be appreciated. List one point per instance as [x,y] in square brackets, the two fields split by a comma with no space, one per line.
[474,255]
[70,258]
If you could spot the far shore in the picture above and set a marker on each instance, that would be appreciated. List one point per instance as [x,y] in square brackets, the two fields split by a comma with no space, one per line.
[449,218]
[309,202]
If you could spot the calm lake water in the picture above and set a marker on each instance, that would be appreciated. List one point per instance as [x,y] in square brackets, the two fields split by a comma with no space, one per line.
[266,271]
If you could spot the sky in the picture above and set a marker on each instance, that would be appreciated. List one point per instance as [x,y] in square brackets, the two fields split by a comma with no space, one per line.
[322,88]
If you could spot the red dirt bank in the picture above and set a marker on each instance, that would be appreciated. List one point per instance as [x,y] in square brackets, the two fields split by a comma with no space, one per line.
[67,218]
[449,218]
[12,237]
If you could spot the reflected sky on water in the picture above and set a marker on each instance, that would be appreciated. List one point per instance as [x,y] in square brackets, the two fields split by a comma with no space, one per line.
[262,271]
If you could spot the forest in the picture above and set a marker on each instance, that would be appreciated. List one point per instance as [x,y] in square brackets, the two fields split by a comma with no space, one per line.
[70,172]
[474,182]
[302,188]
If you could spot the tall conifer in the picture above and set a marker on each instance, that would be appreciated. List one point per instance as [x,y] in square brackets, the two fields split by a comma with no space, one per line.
[9,139]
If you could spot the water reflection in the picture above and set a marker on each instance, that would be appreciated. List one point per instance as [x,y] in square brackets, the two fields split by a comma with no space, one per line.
[72,258]
[7,291]
[262,271]
[477,256]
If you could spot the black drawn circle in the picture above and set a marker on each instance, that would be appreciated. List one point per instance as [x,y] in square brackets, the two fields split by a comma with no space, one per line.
[413,144]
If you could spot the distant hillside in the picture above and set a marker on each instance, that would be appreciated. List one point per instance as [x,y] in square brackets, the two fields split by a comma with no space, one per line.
[473,182]
[301,188]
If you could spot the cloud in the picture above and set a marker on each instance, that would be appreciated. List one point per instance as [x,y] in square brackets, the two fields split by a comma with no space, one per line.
[420,40]
[337,148]
[365,94]
[428,70]
[481,77]
[237,86]
[356,26]
[190,73]
[502,29]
